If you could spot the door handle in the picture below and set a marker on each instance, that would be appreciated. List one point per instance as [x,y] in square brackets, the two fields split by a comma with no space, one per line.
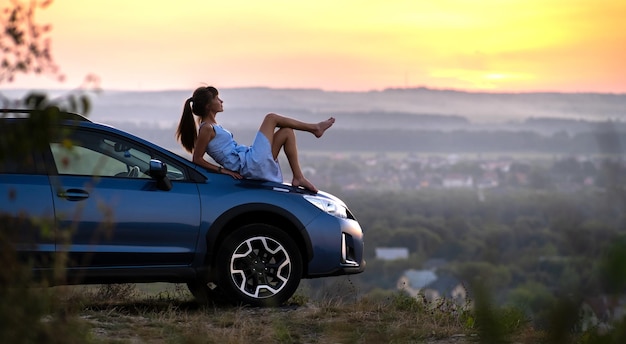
[73,194]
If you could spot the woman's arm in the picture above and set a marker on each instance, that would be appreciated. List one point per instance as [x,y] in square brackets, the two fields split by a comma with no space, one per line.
[205,135]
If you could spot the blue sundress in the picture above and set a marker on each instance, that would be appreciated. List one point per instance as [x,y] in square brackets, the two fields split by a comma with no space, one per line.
[253,162]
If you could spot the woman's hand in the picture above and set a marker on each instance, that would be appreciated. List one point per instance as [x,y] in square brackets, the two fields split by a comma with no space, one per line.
[233,174]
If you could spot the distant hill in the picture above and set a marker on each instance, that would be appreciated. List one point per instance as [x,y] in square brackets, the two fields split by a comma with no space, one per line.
[245,107]
[418,119]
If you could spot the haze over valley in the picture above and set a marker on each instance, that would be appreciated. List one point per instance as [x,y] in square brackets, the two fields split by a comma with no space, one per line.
[418,119]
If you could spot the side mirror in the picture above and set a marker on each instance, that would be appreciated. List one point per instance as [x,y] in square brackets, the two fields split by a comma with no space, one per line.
[158,172]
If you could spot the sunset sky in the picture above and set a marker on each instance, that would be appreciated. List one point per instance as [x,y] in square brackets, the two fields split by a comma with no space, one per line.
[339,45]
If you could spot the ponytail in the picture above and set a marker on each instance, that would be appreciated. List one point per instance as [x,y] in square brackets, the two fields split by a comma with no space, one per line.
[187,132]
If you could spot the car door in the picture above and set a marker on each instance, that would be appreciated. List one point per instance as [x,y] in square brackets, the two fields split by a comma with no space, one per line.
[110,213]
[26,207]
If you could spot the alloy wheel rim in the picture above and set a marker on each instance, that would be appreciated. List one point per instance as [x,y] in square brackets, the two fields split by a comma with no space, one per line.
[260,267]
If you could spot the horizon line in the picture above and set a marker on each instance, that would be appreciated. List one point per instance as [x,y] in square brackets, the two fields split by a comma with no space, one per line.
[388,89]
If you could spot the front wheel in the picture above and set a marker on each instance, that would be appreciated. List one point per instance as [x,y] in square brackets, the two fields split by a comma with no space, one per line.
[259,265]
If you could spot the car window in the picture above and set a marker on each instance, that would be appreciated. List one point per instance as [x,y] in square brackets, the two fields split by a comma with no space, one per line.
[14,160]
[94,154]
[99,154]
[28,163]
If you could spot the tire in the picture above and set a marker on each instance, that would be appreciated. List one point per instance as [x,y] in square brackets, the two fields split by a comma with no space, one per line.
[258,265]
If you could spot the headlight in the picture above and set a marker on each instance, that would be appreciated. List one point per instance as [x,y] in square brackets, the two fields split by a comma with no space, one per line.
[328,205]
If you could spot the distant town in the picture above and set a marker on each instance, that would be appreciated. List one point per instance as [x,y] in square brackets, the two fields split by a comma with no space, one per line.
[410,171]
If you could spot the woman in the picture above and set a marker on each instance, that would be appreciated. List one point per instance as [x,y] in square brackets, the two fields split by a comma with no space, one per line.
[259,161]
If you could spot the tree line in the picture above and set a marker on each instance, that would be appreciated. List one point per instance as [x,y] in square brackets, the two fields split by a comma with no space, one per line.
[528,246]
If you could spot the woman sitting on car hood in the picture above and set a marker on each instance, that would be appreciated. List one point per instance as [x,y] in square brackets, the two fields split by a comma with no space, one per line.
[258,161]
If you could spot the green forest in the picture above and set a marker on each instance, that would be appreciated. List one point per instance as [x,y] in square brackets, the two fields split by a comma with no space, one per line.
[528,247]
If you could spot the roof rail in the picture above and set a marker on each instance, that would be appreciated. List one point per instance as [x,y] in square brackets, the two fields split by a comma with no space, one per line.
[24,113]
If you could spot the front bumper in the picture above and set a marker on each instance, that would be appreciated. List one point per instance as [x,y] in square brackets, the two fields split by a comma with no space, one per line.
[337,247]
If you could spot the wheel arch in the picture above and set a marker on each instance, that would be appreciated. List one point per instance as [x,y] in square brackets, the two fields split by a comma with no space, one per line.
[258,213]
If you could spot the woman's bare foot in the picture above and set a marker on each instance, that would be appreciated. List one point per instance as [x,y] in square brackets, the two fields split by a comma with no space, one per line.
[303,182]
[322,126]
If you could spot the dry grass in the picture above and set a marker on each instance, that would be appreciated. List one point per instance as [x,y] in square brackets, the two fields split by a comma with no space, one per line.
[171,316]
[179,322]
[165,313]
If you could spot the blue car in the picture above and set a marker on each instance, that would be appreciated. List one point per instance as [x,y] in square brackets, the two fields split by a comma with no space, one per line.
[119,209]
